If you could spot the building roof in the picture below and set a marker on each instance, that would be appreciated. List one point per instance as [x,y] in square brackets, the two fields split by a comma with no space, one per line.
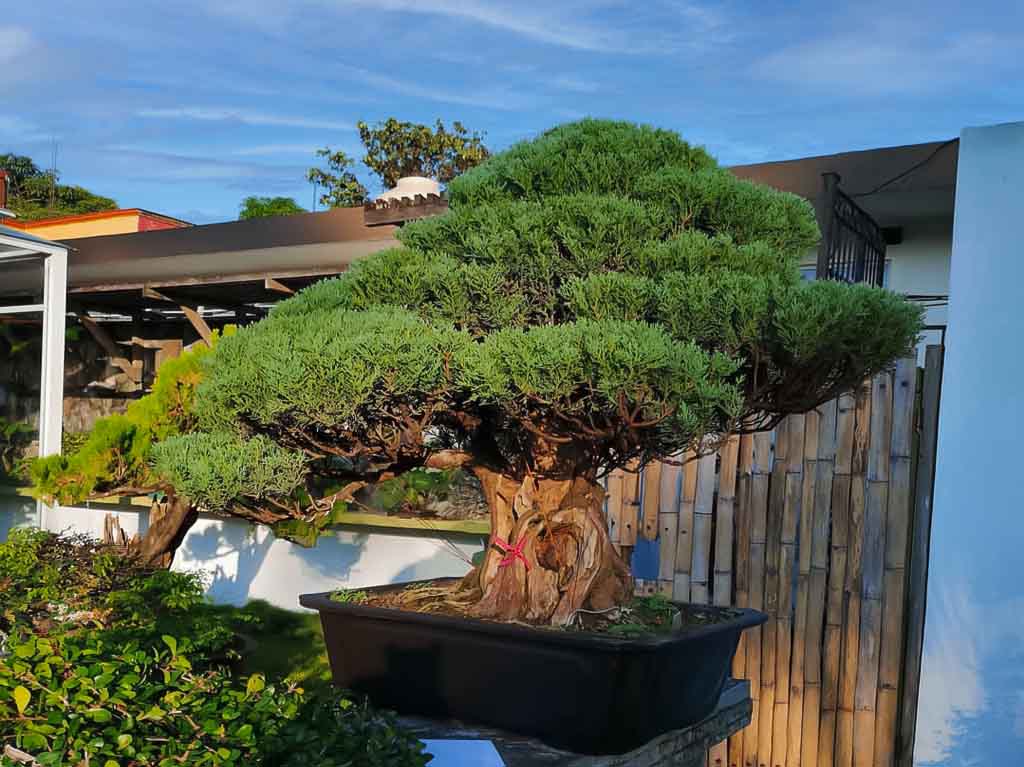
[97,216]
[30,240]
[893,184]
[304,243]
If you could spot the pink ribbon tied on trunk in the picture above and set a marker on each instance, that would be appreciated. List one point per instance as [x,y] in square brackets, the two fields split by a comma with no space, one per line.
[512,553]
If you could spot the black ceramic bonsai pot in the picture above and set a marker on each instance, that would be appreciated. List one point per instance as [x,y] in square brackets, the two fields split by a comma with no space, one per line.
[587,693]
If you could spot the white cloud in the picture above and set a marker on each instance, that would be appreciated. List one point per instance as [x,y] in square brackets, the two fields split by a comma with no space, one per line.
[247,117]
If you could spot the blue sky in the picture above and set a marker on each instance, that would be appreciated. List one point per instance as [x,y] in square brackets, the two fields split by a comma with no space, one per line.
[187,107]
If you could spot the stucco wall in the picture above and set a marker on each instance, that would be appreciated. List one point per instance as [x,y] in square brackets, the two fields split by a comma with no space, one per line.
[244,561]
[972,684]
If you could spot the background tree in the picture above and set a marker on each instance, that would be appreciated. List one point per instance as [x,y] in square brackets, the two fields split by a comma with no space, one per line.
[601,294]
[341,187]
[262,207]
[395,149]
[36,194]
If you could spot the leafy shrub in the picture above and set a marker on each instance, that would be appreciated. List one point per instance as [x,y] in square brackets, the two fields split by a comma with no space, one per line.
[75,698]
[62,583]
[139,677]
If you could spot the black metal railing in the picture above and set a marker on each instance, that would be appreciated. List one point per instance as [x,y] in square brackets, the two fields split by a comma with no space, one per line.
[852,245]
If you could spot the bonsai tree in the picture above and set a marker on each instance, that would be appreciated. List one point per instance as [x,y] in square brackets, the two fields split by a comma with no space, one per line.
[604,294]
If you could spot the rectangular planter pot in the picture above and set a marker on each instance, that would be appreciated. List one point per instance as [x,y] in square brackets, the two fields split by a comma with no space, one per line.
[587,693]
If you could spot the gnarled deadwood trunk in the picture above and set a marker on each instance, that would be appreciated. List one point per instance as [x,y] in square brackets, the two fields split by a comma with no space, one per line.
[169,522]
[550,554]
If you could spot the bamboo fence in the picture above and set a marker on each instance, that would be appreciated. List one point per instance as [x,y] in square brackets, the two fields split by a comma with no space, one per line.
[814,524]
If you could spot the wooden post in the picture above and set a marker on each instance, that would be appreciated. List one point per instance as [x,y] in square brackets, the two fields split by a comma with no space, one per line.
[917,563]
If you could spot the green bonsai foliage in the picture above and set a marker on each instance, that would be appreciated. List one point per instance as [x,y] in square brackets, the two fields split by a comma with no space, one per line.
[601,294]
[115,456]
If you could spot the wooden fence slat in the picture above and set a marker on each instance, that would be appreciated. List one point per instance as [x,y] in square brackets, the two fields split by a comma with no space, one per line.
[684,530]
[844,724]
[897,520]
[824,743]
[668,495]
[812,559]
[724,525]
[792,491]
[917,563]
[703,519]
[872,570]
[760,472]
[741,568]
[772,554]
[651,500]
[629,518]
[614,490]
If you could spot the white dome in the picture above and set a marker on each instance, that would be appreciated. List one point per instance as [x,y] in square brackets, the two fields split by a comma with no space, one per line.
[410,186]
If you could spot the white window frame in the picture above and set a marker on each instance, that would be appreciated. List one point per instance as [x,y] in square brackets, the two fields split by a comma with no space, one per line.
[54,310]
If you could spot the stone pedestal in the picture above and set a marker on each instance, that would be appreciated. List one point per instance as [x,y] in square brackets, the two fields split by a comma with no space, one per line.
[680,748]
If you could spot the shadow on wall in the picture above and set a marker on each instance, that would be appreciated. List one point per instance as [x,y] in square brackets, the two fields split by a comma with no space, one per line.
[234,555]
[248,562]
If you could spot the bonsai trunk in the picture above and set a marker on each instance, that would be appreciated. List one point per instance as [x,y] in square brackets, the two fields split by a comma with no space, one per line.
[168,524]
[550,555]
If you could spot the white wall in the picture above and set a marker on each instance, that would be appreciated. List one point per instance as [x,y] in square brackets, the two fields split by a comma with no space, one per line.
[920,265]
[244,561]
[972,687]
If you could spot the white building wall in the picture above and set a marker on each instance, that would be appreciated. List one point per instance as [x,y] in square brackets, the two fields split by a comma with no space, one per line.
[920,266]
[971,708]
[244,562]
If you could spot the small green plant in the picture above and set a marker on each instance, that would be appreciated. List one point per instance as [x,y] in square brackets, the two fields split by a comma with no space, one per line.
[349,596]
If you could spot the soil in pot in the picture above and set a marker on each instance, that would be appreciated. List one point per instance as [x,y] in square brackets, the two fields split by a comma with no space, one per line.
[653,615]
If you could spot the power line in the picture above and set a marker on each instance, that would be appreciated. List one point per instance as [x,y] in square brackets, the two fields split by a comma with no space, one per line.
[909,170]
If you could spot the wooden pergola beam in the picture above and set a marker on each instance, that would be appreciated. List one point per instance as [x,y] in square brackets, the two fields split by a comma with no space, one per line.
[269,283]
[190,312]
[109,345]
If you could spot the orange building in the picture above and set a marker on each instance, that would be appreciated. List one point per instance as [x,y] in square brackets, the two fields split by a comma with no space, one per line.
[124,221]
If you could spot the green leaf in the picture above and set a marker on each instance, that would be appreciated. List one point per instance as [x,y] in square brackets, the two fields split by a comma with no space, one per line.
[244,732]
[124,740]
[255,684]
[100,715]
[21,698]
[171,642]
